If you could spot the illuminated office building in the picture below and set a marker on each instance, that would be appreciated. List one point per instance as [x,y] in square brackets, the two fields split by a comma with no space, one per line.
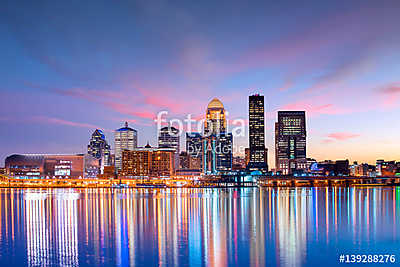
[217,153]
[168,137]
[52,166]
[125,139]
[290,142]
[148,161]
[215,122]
[257,151]
[100,149]
[216,144]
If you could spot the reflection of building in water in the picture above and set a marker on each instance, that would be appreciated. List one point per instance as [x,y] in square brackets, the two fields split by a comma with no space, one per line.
[291,225]
[43,244]
[38,235]
[67,229]
[194,227]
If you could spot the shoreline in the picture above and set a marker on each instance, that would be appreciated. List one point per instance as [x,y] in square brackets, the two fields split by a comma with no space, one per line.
[194,187]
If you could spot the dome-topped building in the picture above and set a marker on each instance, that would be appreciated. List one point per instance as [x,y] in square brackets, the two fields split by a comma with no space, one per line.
[215,118]
[215,103]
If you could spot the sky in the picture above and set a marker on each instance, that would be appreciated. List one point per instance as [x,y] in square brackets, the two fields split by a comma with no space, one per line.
[69,67]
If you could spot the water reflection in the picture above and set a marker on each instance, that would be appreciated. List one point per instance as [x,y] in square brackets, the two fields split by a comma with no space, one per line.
[196,227]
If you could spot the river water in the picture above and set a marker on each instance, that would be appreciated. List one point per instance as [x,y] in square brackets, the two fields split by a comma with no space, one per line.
[197,227]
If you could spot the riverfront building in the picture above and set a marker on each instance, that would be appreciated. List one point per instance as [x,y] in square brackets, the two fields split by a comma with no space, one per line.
[387,168]
[26,166]
[148,162]
[100,149]
[257,152]
[125,139]
[290,142]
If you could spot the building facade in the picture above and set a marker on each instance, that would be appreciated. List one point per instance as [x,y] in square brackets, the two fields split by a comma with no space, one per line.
[386,168]
[184,160]
[168,137]
[217,153]
[330,168]
[290,142]
[215,122]
[125,138]
[100,149]
[257,152]
[148,162]
[194,149]
[25,166]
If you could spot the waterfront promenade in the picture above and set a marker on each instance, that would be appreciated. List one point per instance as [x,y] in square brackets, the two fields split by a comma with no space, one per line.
[201,181]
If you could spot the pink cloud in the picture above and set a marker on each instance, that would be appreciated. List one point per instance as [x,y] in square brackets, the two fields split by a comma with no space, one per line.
[314,108]
[390,95]
[128,110]
[341,136]
[392,89]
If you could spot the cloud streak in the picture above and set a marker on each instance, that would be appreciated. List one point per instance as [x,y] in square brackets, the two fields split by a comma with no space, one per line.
[340,136]
[58,121]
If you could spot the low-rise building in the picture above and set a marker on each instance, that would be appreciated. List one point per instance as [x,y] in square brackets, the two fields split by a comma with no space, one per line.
[52,166]
[148,162]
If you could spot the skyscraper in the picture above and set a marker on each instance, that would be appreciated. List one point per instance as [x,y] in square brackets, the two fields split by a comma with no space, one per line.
[290,140]
[216,144]
[99,148]
[125,139]
[215,122]
[257,151]
[168,137]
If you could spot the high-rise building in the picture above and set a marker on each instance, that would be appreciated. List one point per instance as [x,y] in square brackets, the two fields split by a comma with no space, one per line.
[215,122]
[125,139]
[258,153]
[168,137]
[216,144]
[290,141]
[100,149]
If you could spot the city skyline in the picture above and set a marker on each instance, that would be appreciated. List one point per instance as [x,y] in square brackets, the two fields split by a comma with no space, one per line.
[337,61]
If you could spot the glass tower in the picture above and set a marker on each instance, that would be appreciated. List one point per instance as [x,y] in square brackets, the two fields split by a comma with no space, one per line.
[99,148]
